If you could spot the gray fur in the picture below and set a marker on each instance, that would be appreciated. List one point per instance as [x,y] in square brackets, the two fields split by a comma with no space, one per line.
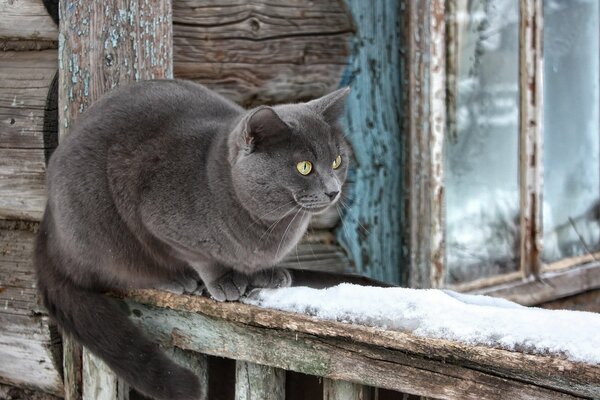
[162,182]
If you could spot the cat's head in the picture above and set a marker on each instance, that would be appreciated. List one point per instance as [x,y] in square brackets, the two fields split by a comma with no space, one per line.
[290,157]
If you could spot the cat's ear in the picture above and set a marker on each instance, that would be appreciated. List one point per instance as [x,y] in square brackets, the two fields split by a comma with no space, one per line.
[263,128]
[332,105]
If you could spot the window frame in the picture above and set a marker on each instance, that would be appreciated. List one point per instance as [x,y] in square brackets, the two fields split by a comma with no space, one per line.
[428,55]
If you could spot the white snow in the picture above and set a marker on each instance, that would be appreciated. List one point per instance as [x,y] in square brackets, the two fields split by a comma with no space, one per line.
[477,320]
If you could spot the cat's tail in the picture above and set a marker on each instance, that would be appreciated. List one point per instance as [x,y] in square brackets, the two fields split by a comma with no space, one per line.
[103,328]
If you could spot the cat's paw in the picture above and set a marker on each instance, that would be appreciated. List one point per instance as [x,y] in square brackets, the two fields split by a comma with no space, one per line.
[186,285]
[229,287]
[271,278]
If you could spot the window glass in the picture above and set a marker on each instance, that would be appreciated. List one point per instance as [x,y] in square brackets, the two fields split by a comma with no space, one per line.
[571,128]
[481,160]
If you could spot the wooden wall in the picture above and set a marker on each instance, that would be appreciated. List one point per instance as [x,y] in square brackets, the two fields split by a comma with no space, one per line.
[263,52]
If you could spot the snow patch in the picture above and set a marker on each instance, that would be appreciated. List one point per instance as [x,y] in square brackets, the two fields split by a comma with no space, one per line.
[443,314]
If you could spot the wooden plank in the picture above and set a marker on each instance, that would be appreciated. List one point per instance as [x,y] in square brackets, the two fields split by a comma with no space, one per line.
[551,285]
[99,382]
[73,369]
[262,51]
[22,183]
[374,217]
[341,390]
[26,20]
[258,382]
[25,140]
[445,367]
[531,79]
[111,43]
[425,108]
[28,345]
[319,251]
[12,392]
[588,301]
[343,359]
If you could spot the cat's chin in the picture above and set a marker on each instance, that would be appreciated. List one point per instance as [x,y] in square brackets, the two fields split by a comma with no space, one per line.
[314,210]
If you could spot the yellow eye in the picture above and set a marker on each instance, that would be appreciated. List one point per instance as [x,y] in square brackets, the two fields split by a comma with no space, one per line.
[304,167]
[337,162]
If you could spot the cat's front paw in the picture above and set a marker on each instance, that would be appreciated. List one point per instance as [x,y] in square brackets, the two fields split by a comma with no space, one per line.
[229,287]
[271,278]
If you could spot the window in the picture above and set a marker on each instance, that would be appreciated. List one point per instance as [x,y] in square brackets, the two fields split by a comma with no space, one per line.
[515,201]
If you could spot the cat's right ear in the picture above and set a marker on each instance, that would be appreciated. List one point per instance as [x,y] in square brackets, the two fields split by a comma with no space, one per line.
[263,127]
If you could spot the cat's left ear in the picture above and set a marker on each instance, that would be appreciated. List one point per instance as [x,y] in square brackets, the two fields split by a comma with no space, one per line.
[332,105]
[263,127]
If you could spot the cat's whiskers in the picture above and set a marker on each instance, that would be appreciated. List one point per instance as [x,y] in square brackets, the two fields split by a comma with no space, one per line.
[272,226]
[347,208]
[260,219]
[344,227]
[285,232]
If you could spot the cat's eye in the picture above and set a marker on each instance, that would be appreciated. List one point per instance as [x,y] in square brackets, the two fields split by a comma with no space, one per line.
[304,167]
[337,162]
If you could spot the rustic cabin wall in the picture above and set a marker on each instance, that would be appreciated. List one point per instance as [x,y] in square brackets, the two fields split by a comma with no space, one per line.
[29,345]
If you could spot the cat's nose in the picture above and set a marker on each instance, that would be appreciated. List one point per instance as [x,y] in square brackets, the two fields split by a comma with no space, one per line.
[332,195]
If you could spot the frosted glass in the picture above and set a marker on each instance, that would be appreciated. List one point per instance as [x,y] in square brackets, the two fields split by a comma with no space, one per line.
[571,128]
[481,160]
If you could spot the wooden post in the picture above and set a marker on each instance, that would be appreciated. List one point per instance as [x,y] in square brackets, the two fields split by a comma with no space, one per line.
[102,45]
[258,382]
[99,382]
[197,363]
[342,390]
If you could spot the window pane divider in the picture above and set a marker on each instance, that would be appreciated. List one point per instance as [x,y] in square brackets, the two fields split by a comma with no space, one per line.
[530,135]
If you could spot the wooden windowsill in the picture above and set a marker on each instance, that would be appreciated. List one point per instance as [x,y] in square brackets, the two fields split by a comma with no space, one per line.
[560,279]
[366,355]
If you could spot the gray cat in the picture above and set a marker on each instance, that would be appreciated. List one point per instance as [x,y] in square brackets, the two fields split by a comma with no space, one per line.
[166,184]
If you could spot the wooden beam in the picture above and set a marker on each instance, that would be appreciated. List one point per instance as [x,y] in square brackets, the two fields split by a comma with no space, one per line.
[531,81]
[360,354]
[550,285]
[99,382]
[258,382]
[262,51]
[372,228]
[341,390]
[28,345]
[424,108]
[25,25]
[25,140]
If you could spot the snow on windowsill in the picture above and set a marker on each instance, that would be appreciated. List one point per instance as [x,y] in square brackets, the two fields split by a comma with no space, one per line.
[443,314]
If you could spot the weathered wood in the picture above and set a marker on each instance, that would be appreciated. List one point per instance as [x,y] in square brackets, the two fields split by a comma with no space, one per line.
[26,20]
[530,135]
[423,69]
[258,382]
[262,51]
[13,392]
[551,285]
[588,301]
[432,367]
[25,78]
[341,390]
[373,227]
[110,43]
[99,382]
[28,345]
[319,251]
[73,369]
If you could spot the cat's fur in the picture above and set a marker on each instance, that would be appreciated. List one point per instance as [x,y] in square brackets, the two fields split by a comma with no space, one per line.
[162,182]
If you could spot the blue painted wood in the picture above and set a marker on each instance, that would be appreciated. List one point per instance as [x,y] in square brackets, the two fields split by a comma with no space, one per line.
[371,229]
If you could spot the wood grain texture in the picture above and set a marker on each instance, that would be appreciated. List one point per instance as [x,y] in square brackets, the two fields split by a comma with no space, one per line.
[25,78]
[99,382]
[373,219]
[28,21]
[28,345]
[340,390]
[262,51]
[105,44]
[258,382]
[371,356]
